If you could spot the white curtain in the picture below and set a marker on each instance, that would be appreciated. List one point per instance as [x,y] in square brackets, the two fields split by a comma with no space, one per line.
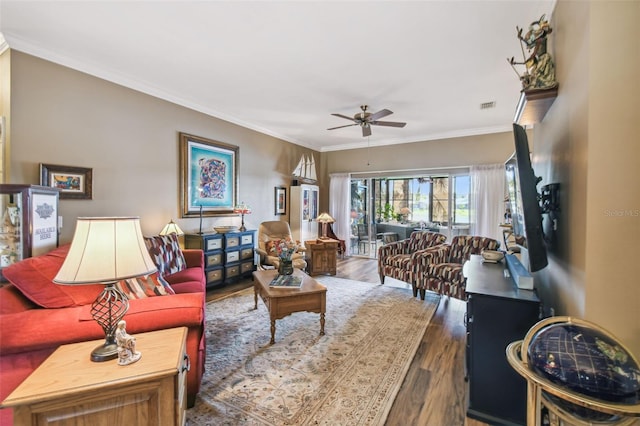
[487,200]
[340,206]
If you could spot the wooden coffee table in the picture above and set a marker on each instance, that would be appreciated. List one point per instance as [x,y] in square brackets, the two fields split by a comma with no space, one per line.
[310,297]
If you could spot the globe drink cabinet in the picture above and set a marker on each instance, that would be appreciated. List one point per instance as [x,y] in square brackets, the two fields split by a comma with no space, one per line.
[580,372]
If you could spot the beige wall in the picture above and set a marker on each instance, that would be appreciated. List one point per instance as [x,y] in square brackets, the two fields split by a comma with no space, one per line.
[453,152]
[589,143]
[61,116]
[5,99]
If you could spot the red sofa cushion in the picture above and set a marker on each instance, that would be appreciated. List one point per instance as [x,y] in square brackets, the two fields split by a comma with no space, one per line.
[34,278]
[12,300]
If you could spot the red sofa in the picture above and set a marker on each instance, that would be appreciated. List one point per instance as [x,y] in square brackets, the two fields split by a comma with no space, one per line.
[37,316]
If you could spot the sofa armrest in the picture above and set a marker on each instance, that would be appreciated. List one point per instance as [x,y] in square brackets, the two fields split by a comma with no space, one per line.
[194,258]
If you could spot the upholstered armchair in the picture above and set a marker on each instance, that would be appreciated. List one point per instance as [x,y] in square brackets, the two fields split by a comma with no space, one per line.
[441,270]
[399,259]
[269,234]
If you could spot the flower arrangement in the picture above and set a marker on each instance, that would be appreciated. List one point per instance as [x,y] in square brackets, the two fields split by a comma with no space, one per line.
[285,249]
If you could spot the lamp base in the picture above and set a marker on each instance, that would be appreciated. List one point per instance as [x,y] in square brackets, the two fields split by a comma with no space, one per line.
[105,352]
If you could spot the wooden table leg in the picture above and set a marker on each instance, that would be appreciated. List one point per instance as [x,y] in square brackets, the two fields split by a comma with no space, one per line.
[255,295]
[273,331]
[322,324]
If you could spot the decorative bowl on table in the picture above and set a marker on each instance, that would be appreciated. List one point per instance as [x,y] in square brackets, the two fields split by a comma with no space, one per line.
[492,256]
[224,229]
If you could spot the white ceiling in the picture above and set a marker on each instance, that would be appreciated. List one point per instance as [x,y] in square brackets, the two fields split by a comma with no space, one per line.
[282,67]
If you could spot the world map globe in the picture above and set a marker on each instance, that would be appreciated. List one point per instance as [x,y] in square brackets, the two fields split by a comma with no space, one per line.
[587,361]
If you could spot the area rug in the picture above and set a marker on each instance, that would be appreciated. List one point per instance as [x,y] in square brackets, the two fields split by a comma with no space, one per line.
[349,376]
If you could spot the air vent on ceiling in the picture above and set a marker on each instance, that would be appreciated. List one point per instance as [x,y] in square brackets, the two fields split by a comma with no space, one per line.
[487,105]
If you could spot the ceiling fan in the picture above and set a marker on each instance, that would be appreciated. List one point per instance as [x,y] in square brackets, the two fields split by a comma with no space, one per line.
[365,120]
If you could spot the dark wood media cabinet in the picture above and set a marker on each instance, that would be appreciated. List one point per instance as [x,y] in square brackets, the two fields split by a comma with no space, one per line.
[498,313]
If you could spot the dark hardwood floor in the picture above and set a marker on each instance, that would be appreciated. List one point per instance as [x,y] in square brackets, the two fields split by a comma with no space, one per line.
[434,390]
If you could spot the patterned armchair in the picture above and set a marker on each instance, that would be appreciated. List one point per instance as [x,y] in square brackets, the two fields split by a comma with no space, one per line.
[399,259]
[441,271]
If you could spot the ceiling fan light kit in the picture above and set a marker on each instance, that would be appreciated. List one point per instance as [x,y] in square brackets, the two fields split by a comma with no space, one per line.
[366,119]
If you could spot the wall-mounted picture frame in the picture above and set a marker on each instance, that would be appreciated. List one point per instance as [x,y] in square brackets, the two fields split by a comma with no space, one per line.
[208,175]
[280,197]
[74,183]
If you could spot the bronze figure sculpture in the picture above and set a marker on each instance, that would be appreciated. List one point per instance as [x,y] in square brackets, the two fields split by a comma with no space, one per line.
[540,69]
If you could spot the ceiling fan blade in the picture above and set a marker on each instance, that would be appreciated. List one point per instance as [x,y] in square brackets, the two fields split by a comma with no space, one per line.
[366,130]
[388,123]
[380,114]
[340,127]
[344,116]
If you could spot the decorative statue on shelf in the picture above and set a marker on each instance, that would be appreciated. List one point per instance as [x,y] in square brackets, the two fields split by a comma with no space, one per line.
[540,70]
[126,345]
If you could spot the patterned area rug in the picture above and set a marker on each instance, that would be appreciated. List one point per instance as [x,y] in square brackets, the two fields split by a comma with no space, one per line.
[349,376]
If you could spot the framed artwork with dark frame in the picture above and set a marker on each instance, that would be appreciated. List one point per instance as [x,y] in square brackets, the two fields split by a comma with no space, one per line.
[74,183]
[280,200]
[208,175]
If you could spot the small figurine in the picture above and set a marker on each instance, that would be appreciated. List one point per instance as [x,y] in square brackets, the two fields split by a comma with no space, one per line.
[540,69]
[127,353]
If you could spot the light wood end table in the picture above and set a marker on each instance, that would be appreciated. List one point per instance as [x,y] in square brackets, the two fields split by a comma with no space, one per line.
[322,256]
[280,302]
[70,389]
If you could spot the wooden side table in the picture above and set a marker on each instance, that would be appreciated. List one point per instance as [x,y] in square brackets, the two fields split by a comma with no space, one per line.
[69,389]
[322,256]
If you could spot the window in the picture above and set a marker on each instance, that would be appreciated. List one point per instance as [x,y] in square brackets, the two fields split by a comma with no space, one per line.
[440,200]
[433,199]
[461,190]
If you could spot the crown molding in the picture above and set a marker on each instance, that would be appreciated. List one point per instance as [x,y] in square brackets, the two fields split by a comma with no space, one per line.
[3,44]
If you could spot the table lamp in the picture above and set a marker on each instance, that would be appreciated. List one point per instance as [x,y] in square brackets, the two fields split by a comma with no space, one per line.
[106,250]
[242,209]
[171,228]
[324,219]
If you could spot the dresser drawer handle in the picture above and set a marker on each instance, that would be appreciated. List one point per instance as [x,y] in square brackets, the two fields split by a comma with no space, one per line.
[186,364]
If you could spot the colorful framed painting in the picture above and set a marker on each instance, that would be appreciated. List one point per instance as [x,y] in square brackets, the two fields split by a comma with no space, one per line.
[281,200]
[75,183]
[209,176]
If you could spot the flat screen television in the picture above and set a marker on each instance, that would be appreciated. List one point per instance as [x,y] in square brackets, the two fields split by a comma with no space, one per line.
[526,215]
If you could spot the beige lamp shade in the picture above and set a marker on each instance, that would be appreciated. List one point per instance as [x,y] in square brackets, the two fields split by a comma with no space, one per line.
[105,249]
[325,218]
[171,228]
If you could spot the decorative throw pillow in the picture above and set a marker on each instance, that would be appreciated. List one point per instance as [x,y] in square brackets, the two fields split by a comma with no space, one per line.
[270,247]
[145,286]
[166,253]
[34,278]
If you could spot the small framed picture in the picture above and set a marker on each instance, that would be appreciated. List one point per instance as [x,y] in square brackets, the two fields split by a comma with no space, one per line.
[74,183]
[281,200]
